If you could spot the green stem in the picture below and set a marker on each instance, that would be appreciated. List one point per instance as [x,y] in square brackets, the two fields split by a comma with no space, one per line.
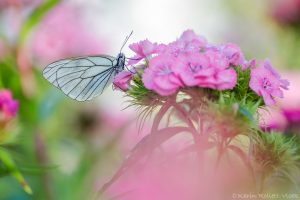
[262,182]
[42,158]
[196,137]
[164,108]
[220,152]
[9,163]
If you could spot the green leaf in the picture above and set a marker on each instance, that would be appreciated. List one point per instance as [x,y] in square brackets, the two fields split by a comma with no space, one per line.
[34,18]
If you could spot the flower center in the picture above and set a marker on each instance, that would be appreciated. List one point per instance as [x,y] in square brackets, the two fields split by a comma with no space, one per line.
[195,68]
[266,84]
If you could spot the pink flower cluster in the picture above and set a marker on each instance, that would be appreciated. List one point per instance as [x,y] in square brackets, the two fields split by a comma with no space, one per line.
[8,106]
[191,61]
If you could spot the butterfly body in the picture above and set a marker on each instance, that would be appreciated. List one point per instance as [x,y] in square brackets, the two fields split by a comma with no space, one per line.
[84,78]
[120,62]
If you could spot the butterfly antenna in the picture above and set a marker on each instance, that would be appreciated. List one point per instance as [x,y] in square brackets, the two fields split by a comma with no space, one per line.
[125,41]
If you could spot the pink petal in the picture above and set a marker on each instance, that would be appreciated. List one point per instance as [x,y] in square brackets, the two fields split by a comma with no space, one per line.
[269,101]
[136,48]
[147,78]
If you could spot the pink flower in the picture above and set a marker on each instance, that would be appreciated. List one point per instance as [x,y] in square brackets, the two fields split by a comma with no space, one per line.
[266,82]
[286,11]
[217,60]
[51,42]
[189,36]
[292,116]
[287,113]
[249,64]
[160,76]
[144,49]
[272,119]
[223,77]
[122,79]
[188,42]
[8,106]
[195,67]
[206,70]
[233,53]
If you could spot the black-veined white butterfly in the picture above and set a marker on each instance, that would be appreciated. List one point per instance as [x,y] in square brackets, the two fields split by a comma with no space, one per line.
[84,78]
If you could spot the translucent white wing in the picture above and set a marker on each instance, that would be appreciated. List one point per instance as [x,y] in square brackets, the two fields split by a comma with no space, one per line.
[82,78]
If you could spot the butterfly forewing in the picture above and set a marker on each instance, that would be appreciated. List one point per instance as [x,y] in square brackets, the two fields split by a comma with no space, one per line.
[82,78]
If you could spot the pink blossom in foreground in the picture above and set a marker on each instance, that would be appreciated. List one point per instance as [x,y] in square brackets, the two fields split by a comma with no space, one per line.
[8,106]
[160,76]
[188,42]
[266,82]
[122,79]
[62,34]
[168,176]
[144,49]
[115,121]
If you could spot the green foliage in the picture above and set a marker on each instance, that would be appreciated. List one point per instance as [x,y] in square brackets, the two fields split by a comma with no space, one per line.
[274,154]
[9,75]
[137,91]
[242,93]
[141,96]
[246,101]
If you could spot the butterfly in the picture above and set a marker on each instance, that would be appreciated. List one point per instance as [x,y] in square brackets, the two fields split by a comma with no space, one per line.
[84,78]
